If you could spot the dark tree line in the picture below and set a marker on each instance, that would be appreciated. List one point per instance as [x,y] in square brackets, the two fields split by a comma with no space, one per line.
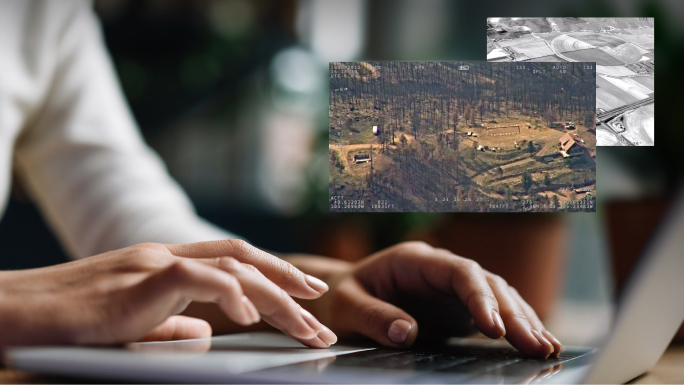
[431,96]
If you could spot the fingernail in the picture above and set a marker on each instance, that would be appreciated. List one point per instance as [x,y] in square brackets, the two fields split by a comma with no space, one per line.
[327,336]
[498,322]
[398,331]
[318,343]
[252,312]
[542,340]
[553,338]
[311,320]
[316,283]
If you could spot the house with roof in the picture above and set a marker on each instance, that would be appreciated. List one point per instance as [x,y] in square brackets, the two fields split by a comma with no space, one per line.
[569,146]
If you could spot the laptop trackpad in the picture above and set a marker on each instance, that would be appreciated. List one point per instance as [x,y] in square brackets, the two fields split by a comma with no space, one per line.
[230,354]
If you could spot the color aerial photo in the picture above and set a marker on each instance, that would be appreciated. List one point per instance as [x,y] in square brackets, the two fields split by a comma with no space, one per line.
[452,137]
[623,50]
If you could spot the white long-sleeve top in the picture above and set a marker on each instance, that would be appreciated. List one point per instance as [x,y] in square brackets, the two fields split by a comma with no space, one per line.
[68,133]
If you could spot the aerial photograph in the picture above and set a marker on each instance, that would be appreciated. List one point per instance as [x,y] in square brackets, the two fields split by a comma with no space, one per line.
[471,137]
[623,50]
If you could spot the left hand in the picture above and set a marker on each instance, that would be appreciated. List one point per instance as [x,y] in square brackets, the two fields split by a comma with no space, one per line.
[389,294]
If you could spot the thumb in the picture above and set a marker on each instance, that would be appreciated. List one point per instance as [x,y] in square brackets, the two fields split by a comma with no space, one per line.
[360,312]
[179,327]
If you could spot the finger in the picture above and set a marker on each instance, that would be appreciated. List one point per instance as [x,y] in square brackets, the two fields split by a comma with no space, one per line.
[323,339]
[520,333]
[557,345]
[282,273]
[272,302]
[536,322]
[170,290]
[358,312]
[453,274]
[179,327]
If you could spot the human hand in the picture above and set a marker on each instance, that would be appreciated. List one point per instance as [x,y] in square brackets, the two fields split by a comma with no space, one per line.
[389,294]
[134,294]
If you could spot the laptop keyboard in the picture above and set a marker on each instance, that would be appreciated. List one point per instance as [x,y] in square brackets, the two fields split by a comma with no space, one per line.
[455,363]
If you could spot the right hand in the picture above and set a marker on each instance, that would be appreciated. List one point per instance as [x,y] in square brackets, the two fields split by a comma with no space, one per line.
[388,294]
[134,294]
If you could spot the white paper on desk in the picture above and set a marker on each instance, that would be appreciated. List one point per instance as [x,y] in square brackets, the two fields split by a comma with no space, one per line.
[235,354]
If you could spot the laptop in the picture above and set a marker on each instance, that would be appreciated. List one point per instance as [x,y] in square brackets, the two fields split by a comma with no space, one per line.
[648,314]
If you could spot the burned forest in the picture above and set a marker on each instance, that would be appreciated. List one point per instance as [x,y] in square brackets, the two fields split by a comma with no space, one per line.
[419,137]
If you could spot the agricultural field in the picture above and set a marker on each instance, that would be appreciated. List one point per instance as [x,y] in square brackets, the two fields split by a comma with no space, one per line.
[532,25]
[597,39]
[617,89]
[565,43]
[500,56]
[607,101]
[627,53]
[623,50]
[646,81]
[525,39]
[607,136]
[573,24]
[643,41]
[548,59]
[593,55]
[640,125]
[534,49]
[461,137]
[614,71]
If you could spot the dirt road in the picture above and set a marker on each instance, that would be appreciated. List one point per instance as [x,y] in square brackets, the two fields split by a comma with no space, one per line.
[343,150]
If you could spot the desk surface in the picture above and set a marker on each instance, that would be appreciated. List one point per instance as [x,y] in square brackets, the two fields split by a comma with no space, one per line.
[669,370]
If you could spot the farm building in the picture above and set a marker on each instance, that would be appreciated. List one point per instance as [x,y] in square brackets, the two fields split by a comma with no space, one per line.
[376,131]
[362,158]
[571,145]
[566,142]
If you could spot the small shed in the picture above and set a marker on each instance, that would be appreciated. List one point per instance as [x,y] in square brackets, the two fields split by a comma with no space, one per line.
[361,158]
[376,131]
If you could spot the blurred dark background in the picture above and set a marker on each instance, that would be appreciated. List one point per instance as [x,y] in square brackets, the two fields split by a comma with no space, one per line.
[233,96]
